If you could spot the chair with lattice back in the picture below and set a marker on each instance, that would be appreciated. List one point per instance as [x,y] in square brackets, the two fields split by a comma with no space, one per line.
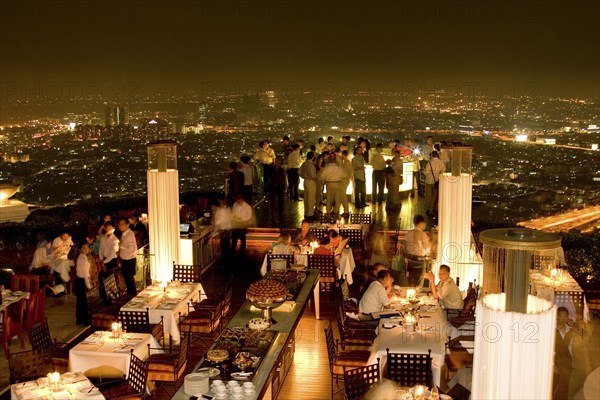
[29,365]
[187,273]
[409,369]
[101,316]
[168,366]
[339,360]
[325,263]
[40,339]
[568,298]
[289,259]
[318,233]
[139,322]
[135,385]
[357,381]
[360,218]
[355,236]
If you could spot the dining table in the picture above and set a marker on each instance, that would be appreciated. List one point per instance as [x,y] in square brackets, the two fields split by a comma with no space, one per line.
[9,297]
[168,302]
[345,266]
[562,290]
[102,351]
[431,333]
[73,385]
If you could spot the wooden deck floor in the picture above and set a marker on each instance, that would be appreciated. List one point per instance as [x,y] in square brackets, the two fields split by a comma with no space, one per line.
[291,214]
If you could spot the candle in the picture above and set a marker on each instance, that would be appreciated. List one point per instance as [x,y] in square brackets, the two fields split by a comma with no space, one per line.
[419,392]
[116,329]
[554,273]
[54,380]
[410,294]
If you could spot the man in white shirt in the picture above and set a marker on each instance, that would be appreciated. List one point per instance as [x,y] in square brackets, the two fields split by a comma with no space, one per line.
[248,170]
[446,291]
[294,162]
[266,156]
[61,246]
[434,168]
[127,255]
[82,284]
[223,229]
[308,172]
[241,218]
[109,247]
[418,246]
[376,297]
[417,241]
[332,175]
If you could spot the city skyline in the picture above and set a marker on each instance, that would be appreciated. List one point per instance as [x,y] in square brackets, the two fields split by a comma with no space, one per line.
[78,48]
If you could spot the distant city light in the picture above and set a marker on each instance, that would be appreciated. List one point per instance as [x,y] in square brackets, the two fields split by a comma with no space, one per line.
[72,126]
[595,146]
[417,151]
[521,138]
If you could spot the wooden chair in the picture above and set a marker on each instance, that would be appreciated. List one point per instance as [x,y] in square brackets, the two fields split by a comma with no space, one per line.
[326,265]
[360,218]
[113,293]
[40,339]
[35,309]
[355,236]
[13,324]
[409,369]
[289,259]
[318,232]
[203,321]
[168,366]
[134,386]
[458,355]
[357,335]
[187,273]
[357,381]
[101,316]
[139,322]
[338,360]
[29,365]
[25,283]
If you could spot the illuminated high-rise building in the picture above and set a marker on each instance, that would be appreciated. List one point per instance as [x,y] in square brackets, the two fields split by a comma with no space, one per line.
[271,100]
[202,112]
[120,115]
[108,121]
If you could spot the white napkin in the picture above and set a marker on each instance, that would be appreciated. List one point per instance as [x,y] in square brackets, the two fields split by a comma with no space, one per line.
[467,343]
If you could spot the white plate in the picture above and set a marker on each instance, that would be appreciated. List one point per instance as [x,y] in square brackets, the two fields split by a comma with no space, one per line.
[212,372]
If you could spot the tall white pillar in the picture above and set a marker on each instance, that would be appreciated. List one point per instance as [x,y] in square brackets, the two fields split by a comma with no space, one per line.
[163,208]
[454,212]
[514,352]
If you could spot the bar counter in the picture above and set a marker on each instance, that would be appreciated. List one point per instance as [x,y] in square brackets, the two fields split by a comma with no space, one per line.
[271,373]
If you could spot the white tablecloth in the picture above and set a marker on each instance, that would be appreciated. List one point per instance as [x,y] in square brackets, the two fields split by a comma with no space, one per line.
[75,385]
[345,267]
[167,304]
[100,349]
[432,333]
[546,288]
[9,298]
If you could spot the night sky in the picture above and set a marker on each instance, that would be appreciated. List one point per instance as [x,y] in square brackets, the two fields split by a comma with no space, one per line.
[527,47]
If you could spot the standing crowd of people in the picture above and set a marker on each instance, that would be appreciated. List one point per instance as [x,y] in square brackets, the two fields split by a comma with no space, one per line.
[113,247]
[327,169]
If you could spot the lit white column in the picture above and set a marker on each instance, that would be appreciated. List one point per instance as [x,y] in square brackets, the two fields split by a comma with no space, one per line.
[514,352]
[454,229]
[163,208]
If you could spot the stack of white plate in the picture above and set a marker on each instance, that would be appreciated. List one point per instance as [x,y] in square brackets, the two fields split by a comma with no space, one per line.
[195,384]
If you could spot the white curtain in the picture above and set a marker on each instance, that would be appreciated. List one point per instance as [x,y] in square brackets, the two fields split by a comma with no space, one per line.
[163,222]
[514,352]
[454,230]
